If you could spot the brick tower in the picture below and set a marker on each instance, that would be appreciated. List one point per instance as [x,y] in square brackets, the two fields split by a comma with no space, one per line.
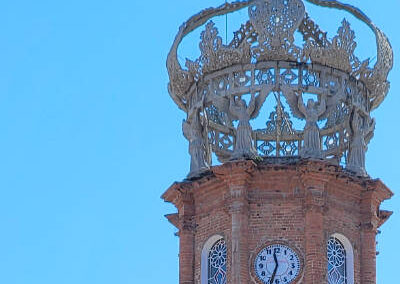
[290,202]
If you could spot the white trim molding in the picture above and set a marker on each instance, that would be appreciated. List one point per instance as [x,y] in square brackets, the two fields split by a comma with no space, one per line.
[349,256]
[204,257]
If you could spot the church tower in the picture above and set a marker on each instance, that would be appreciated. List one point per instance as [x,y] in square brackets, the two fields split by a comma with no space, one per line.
[287,201]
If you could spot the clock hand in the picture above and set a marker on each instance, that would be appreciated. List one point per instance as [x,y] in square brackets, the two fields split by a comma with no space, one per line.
[275,270]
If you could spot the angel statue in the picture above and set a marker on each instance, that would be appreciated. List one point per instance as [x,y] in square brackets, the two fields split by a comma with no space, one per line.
[236,109]
[312,112]
[193,131]
[244,146]
[358,146]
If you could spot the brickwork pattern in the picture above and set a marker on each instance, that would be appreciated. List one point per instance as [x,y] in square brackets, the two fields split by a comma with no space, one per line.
[301,204]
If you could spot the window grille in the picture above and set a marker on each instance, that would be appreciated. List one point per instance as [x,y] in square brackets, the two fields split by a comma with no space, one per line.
[336,254]
[217,263]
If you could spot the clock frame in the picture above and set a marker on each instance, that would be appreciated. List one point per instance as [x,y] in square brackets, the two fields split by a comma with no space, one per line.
[260,248]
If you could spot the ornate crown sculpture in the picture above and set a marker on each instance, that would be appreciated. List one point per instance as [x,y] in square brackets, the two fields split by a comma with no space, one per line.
[263,60]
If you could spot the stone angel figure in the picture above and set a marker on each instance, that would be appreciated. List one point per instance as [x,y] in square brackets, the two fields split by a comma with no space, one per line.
[312,112]
[362,134]
[244,146]
[193,130]
[237,109]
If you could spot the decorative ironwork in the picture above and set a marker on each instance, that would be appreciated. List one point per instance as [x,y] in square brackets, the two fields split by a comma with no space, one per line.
[216,116]
[289,77]
[225,142]
[267,147]
[242,78]
[311,78]
[279,122]
[217,263]
[336,254]
[331,141]
[289,148]
[321,80]
[340,114]
[265,76]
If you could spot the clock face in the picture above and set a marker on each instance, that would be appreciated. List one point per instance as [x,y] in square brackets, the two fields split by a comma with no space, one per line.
[277,264]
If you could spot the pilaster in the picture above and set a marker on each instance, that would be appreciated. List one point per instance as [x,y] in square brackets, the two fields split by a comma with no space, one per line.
[185,221]
[372,197]
[236,177]
[315,243]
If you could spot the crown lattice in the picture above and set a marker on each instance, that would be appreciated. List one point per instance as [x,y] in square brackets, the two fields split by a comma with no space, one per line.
[264,60]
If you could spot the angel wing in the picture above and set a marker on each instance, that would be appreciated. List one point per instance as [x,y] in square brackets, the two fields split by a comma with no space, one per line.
[186,129]
[332,101]
[208,147]
[369,133]
[259,101]
[292,99]
[221,103]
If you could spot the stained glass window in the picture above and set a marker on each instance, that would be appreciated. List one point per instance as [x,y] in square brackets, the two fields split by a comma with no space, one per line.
[217,263]
[336,254]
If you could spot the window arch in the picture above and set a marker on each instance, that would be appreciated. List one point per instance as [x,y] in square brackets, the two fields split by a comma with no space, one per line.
[340,258]
[213,261]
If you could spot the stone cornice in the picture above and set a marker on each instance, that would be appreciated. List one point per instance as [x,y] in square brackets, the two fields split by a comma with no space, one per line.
[228,171]
[248,168]
[318,181]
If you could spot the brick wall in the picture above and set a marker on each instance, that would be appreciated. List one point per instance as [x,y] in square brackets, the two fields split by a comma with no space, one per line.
[301,204]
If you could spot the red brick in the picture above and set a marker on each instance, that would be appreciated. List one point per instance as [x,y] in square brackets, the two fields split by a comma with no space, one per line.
[302,204]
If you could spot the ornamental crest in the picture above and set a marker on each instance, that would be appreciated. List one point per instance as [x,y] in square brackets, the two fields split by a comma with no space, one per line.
[315,96]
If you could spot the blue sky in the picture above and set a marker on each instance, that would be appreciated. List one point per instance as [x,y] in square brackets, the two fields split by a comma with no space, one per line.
[89,138]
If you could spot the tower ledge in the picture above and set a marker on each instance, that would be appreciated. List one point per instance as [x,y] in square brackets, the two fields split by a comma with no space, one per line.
[276,165]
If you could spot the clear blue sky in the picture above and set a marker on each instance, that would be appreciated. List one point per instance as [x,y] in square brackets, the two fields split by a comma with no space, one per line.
[89,138]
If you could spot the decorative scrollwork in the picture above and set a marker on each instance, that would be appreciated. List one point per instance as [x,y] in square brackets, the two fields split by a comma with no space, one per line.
[217,117]
[289,148]
[279,123]
[275,22]
[267,147]
[321,87]
[265,76]
[215,55]
[338,53]
[331,141]
[338,115]
[310,30]
[311,78]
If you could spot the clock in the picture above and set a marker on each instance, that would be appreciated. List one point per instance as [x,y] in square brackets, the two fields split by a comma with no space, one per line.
[277,264]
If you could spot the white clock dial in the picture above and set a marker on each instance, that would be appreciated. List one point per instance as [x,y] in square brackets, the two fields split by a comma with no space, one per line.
[277,264]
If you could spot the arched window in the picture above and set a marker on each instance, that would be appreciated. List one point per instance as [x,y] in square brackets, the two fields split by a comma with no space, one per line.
[340,260]
[213,261]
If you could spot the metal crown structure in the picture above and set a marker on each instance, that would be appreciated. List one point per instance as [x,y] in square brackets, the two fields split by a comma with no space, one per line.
[264,60]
